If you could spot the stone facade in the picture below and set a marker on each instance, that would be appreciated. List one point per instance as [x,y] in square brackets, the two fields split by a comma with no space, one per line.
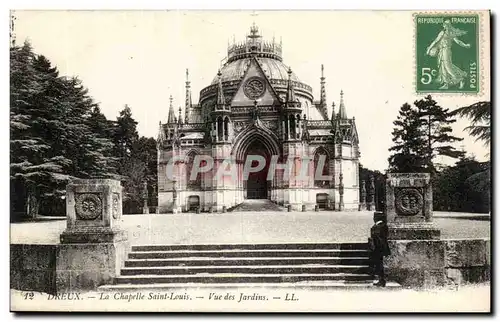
[257,106]
[430,263]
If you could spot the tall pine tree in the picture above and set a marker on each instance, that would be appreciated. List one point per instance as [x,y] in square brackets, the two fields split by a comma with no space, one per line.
[36,171]
[421,133]
[435,124]
[53,135]
[125,133]
[408,141]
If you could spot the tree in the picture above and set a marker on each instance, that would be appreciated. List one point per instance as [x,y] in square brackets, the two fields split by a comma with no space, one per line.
[125,133]
[137,161]
[53,134]
[421,133]
[435,124]
[35,170]
[480,115]
[145,150]
[461,187]
[409,143]
[479,184]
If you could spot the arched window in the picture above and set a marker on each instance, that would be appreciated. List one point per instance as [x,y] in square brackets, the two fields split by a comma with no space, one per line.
[220,129]
[322,160]
[192,183]
[298,126]
[226,128]
[292,126]
[286,128]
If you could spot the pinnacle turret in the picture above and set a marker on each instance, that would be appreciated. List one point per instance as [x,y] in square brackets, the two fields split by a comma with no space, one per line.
[188,103]
[220,92]
[322,102]
[171,113]
[342,110]
[290,91]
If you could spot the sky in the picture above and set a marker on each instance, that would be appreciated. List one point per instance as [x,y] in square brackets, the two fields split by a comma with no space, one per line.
[139,58]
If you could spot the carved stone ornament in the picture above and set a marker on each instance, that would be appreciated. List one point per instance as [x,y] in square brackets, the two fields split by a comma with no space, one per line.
[116,200]
[409,202]
[238,127]
[254,88]
[88,206]
[272,125]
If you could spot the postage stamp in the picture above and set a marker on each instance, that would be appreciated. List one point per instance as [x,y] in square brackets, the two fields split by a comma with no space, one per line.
[447,53]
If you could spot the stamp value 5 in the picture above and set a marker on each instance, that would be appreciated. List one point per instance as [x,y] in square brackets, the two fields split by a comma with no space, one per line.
[447,53]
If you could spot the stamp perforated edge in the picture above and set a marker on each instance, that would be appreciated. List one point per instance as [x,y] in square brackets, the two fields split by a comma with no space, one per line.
[481,52]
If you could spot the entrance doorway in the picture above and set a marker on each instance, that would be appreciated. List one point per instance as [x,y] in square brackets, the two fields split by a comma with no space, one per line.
[257,185]
[322,200]
[193,203]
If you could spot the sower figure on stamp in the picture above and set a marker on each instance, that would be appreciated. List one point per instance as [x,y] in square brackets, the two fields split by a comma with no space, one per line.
[379,247]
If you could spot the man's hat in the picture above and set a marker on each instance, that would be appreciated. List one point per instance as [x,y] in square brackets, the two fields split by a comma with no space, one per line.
[379,216]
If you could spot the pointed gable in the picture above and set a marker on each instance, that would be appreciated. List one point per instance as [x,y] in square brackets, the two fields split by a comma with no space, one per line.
[255,86]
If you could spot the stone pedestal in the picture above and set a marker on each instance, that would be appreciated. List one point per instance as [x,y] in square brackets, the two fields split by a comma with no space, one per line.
[93,247]
[409,207]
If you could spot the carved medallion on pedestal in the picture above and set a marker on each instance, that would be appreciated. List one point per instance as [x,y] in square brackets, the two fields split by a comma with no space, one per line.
[88,206]
[409,202]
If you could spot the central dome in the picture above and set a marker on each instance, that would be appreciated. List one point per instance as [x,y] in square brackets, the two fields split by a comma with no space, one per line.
[268,55]
[273,68]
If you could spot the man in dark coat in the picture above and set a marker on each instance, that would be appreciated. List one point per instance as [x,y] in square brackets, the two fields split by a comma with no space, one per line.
[379,247]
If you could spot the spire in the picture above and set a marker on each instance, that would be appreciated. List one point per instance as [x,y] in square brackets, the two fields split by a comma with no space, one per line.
[333,111]
[290,92]
[187,107]
[180,116]
[161,134]
[221,101]
[322,101]
[171,115]
[342,112]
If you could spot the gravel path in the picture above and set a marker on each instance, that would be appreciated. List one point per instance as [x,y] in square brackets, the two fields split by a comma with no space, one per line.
[246,227]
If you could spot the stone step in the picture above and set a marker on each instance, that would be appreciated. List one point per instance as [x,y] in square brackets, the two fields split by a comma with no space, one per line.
[248,269]
[248,253]
[237,261]
[301,285]
[257,205]
[302,246]
[240,278]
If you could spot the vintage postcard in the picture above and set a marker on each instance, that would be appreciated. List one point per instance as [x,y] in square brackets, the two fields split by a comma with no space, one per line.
[250,161]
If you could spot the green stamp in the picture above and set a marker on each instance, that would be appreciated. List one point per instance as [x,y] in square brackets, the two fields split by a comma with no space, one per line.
[447,53]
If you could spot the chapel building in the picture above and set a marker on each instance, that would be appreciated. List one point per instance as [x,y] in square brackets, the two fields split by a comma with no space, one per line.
[256,105]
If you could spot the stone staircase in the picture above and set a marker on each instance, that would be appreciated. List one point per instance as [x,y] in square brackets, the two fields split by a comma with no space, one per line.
[257,205]
[335,264]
